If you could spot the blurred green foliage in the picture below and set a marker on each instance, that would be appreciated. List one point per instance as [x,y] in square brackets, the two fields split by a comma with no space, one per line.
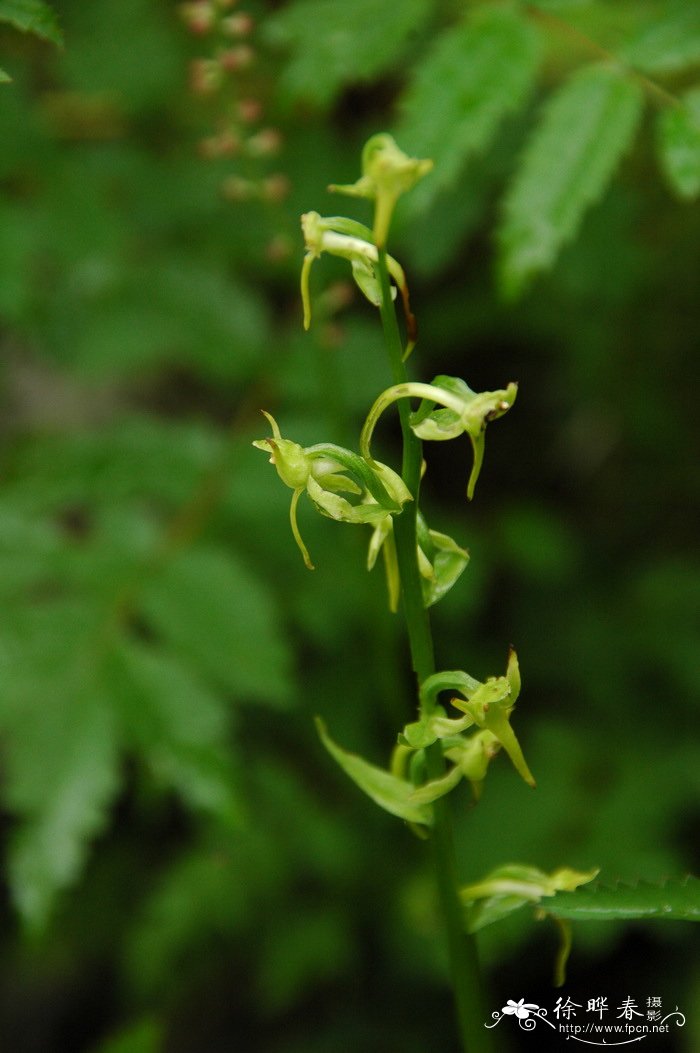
[183,867]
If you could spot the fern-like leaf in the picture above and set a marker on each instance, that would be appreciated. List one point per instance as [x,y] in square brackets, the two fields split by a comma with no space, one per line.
[32,16]
[678,144]
[474,75]
[337,42]
[669,43]
[570,159]
[673,900]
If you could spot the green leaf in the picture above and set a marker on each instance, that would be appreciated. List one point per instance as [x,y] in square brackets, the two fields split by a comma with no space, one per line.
[674,900]
[678,144]
[5,78]
[32,16]
[392,794]
[60,749]
[338,42]
[304,947]
[473,76]
[178,725]
[219,616]
[568,162]
[668,44]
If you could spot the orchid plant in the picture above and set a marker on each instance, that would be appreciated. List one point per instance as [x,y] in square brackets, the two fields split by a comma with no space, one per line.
[451,741]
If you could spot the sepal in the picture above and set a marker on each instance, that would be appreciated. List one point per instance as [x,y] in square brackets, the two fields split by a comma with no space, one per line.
[391,792]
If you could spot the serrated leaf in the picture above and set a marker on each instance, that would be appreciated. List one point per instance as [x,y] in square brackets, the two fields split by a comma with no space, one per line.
[678,144]
[60,751]
[391,793]
[339,42]
[674,900]
[669,43]
[473,76]
[570,158]
[221,618]
[32,16]
[178,725]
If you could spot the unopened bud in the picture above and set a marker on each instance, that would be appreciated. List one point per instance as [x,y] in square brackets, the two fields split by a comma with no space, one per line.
[238,58]
[199,17]
[234,188]
[250,110]
[240,25]
[205,76]
[279,249]
[265,143]
[275,187]
[223,145]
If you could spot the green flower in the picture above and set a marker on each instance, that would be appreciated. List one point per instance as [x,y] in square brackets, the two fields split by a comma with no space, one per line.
[463,412]
[490,707]
[322,472]
[387,173]
[350,241]
[440,560]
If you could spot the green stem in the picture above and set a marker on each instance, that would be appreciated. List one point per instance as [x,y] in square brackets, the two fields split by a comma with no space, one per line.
[464,966]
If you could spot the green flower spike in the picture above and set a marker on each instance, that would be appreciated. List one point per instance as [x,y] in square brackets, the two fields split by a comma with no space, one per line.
[351,241]
[387,173]
[464,412]
[321,472]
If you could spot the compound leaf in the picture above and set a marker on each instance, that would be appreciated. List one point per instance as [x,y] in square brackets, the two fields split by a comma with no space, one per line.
[60,753]
[221,618]
[570,158]
[179,726]
[678,144]
[32,16]
[338,42]
[473,76]
[667,44]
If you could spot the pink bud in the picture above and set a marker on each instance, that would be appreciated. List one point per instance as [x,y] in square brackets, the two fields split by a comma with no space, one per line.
[266,143]
[223,145]
[240,25]
[250,110]
[275,187]
[238,58]
[205,76]
[198,16]
[279,249]
[234,188]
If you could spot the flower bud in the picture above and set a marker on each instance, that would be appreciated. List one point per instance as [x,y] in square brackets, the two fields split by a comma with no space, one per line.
[250,110]
[275,187]
[199,16]
[238,58]
[205,76]
[265,143]
[240,25]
